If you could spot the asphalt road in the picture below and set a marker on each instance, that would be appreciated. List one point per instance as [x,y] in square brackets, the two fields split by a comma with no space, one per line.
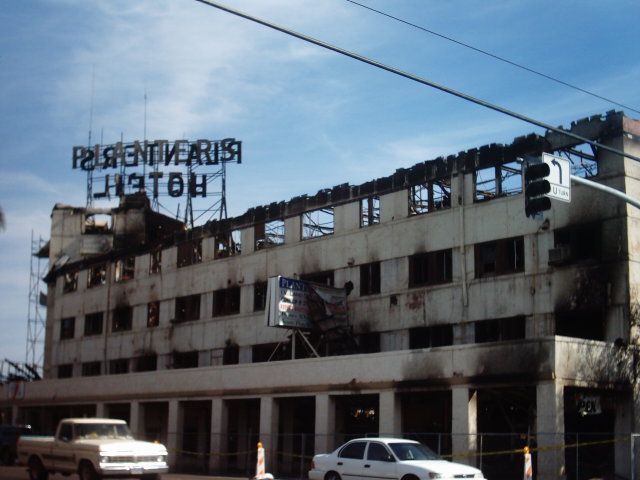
[20,473]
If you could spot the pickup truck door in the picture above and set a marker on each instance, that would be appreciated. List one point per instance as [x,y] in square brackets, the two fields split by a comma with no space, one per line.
[63,451]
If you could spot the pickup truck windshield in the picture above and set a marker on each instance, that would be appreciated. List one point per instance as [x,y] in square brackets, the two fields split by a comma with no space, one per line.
[101,430]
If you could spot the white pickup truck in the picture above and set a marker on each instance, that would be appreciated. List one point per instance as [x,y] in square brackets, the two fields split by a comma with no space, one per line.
[94,448]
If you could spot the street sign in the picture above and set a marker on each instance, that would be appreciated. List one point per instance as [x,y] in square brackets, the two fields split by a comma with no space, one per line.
[559,177]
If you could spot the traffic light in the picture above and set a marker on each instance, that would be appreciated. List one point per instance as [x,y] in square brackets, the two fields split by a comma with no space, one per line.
[535,187]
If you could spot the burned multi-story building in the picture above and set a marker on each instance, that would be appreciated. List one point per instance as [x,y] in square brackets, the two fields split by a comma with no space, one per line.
[469,326]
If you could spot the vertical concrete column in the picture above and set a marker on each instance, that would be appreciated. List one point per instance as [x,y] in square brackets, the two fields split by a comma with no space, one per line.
[134,418]
[464,424]
[325,423]
[100,410]
[219,424]
[174,428]
[550,431]
[390,415]
[268,429]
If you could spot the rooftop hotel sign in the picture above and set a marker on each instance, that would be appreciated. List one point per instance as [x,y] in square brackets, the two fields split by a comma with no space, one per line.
[147,165]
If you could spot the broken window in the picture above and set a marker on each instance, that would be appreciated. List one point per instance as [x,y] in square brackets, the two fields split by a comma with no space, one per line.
[153,314]
[97,275]
[155,262]
[499,257]
[581,323]
[259,296]
[119,366]
[231,354]
[500,329]
[146,363]
[70,282]
[576,243]
[434,336]
[317,223]
[65,371]
[269,234]
[369,342]
[189,253]
[226,301]
[67,328]
[187,308]
[91,369]
[97,223]
[430,268]
[429,197]
[498,181]
[321,278]
[122,319]
[227,244]
[93,324]
[184,359]
[267,352]
[125,268]
[369,278]
[369,211]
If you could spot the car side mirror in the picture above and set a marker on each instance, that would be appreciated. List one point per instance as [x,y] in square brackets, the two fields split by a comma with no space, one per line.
[389,459]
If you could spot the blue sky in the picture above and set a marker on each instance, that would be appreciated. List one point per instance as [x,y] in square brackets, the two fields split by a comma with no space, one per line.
[308,118]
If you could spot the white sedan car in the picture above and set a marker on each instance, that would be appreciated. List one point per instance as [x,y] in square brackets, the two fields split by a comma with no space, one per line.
[386,459]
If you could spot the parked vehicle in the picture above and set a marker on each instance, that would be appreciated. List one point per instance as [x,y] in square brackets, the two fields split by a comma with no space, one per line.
[386,459]
[9,435]
[94,448]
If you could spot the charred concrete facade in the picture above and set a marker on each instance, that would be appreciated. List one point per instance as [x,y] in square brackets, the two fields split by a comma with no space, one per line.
[472,327]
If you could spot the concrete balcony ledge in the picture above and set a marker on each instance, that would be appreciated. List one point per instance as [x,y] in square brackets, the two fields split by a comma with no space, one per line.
[577,361]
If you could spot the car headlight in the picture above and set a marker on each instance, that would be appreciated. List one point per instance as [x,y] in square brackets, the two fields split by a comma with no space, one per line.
[478,475]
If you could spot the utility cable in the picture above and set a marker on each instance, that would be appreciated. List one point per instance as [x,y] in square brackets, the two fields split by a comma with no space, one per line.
[497,57]
[415,78]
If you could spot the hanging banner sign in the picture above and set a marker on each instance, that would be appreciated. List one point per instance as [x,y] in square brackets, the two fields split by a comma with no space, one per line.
[293,303]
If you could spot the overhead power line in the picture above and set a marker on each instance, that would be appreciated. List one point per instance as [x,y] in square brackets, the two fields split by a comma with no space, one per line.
[415,78]
[497,57]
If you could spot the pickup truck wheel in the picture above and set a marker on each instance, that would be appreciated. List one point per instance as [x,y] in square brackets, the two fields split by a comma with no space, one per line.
[36,470]
[151,476]
[87,472]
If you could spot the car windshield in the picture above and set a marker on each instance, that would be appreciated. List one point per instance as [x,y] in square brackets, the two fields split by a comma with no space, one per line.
[102,430]
[413,451]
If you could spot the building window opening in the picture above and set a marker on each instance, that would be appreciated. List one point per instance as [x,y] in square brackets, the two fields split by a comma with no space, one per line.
[70,282]
[369,211]
[227,244]
[65,371]
[317,223]
[587,324]
[122,319]
[231,354]
[369,342]
[226,301]
[321,278]
[184,359]
[98,223]
[146,363]
[500,329]
[499,257]
[97,275]
[119,366]
[510,180]
[187,308]
[429,197]
[259,296]
[67,328]
[434,336]
[91,369]
[269,234]
[498,181]
[430,268]
[93,324]
[486,184]
[189,253]
[153,314]
[155,262]
[576,244]
[269,352]
[369,278]
[125,268]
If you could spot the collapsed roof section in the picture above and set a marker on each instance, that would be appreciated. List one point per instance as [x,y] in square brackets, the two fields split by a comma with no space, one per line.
[134,227]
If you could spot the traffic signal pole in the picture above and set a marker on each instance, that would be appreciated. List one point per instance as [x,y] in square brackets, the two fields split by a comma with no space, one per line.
[598,186]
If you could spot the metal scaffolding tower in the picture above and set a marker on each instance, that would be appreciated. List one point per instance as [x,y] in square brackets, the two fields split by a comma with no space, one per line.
[37,307]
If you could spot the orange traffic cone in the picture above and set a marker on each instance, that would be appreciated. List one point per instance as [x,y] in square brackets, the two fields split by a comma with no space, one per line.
[528,466]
